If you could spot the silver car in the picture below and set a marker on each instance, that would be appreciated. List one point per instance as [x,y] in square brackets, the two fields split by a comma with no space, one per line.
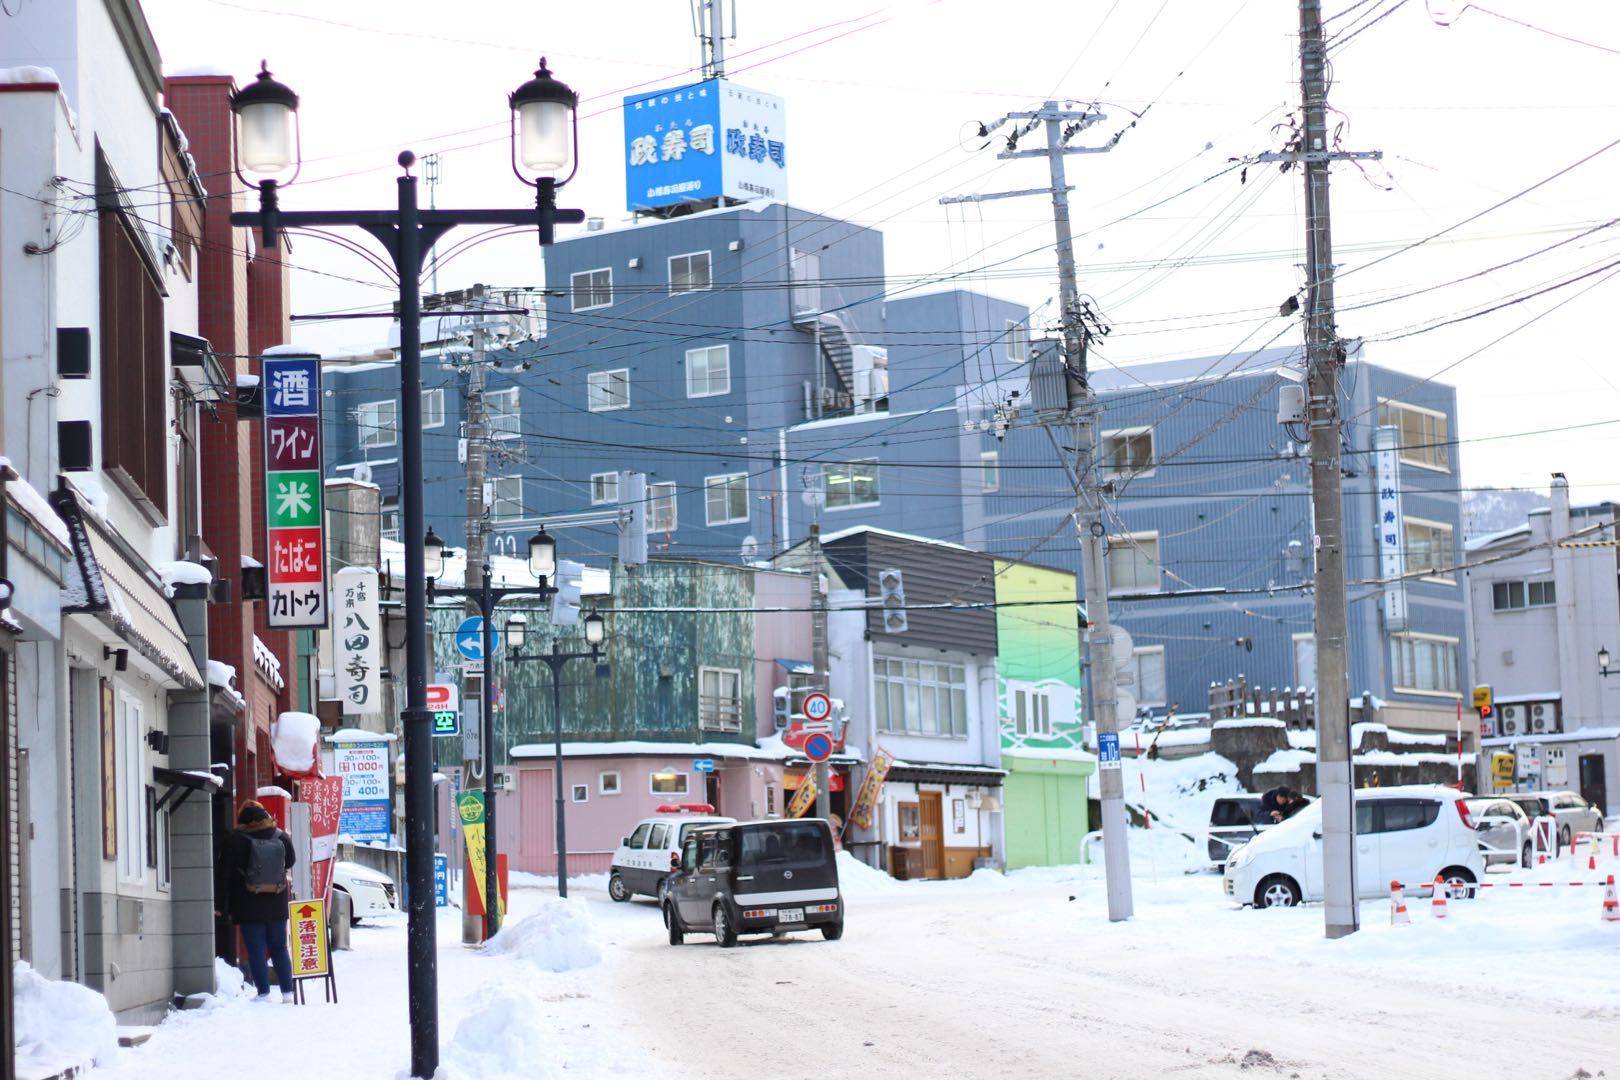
[1572,812]
[1503,829]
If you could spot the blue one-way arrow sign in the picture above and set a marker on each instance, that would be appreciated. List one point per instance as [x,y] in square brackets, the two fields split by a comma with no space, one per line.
[470,638]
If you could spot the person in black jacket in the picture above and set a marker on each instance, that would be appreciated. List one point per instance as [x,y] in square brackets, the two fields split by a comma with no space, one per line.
[1280,804]
[261,916]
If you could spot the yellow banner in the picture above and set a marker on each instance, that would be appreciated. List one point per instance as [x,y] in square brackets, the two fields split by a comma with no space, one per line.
[805,797]
[306,930]
[860,815]
[470,805]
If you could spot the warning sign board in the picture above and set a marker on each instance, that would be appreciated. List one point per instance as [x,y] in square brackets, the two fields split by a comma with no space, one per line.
[306,925]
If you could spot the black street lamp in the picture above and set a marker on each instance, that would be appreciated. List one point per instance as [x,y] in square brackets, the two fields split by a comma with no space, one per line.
[1603,661]
[595,632]
[542,555]
[267,145]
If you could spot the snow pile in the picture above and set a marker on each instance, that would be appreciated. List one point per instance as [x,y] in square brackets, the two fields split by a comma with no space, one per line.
[506,1035]
[561,936]
[855,878]
[182,573]
[294,738]
[61,1024]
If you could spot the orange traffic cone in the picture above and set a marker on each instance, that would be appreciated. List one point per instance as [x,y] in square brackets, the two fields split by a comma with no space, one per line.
[1591,862]
[1611,903]
[1397,906]
[1441,894]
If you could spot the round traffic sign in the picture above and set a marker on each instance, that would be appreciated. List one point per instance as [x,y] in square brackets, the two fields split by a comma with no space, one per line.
[817,706]
[818,747]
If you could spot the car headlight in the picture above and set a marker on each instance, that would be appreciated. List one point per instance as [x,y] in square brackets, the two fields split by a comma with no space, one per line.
[1239,858]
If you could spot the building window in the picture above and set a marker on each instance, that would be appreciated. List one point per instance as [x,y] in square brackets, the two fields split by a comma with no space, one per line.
[990,471]
[708,371]
[1423,438]
[1032,711]
[379,424]
[134,357]
[719,699]
[1147,671]
[1428,548]
[1133,562]
[1425,663]
[851,484]
[661,497]
[607,782]
[910,815]
[604,488]
[1017,342]
[433,408]
[725,499]
[592,288]
[1128,452]
[606,390]
[132,823]
[689,273]
[390,519]
[506,498]
[1516,595]
[669,783]
[582,792]
[502,409]
[804,275]
[919,697]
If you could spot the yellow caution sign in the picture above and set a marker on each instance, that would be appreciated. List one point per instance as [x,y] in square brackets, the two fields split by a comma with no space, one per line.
[306,926]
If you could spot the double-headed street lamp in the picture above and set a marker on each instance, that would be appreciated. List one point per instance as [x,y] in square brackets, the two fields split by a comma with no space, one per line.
[545,143]
[543,565]
[595,631]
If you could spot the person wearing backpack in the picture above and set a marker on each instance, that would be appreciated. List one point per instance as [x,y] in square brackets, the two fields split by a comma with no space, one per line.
[252,889]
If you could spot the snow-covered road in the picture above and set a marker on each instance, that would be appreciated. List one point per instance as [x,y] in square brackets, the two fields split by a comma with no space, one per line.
[988,977]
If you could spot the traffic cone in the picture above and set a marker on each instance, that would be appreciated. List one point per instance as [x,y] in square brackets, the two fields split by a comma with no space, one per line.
[1611,903]
[1441,893]
[1397,906]
[1591,862]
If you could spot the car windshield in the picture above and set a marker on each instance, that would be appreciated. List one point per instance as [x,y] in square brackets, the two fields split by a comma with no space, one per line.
[792,842]
[1233,811]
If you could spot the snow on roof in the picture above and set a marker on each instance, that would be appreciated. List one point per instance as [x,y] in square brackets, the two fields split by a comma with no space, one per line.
[853,530]
[505,570]
[34,505]
[1578,735]
[351,735]
[1249,721]
[249,563]
[28,75]
[202,71]
[1285,761]
[1036,753]
[221,674]
[1533,695]
[858,418]
[645,748]
[289,350]
[182,573]
[246,381]
[1477,542]
[1187,736]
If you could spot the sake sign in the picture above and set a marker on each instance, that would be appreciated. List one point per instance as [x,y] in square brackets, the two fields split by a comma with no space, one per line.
[295,525]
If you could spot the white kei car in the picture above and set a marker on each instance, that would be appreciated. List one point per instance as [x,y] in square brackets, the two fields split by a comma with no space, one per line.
[371,892]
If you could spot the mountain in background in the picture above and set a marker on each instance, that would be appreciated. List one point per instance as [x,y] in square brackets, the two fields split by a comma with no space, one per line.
[1490,510]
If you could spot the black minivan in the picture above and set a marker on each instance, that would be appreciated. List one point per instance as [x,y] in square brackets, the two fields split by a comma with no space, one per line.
[757,877]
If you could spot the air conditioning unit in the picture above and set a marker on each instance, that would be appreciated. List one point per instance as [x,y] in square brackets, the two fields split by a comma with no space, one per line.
[1543,719]
[1514,722]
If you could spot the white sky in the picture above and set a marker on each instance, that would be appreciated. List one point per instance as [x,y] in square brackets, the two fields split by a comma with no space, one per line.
[882,102]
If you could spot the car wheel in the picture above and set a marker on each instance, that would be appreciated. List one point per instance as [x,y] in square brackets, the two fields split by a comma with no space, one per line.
[1459,881]
[1564,836]
[617,889]
[725,935]
[1524,859]
[1276,891]
[677,934]
[832,931]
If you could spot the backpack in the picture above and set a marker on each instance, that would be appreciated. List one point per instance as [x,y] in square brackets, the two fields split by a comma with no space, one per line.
[266,869]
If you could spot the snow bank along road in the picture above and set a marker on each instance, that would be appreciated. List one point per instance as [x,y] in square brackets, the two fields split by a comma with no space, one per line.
[1023,982]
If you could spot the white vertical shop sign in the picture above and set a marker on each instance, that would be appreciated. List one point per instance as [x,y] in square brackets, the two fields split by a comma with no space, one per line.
[357,638]
[1391,529]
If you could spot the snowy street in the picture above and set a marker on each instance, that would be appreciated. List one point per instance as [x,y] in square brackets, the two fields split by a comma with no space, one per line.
[1518,984]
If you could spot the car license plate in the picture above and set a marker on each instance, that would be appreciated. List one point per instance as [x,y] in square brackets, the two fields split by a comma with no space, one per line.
[790,915]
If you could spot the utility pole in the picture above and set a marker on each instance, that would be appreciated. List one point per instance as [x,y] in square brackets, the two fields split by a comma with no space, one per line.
[431,173]
[818,652]
[1062,124]
[473,766]
[710,19]
[1324,357]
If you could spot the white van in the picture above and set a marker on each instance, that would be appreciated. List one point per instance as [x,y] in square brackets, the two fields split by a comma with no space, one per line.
[1406,834]
[644,861]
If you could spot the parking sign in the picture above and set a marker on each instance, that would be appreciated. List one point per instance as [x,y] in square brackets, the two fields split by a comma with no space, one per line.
[441,701]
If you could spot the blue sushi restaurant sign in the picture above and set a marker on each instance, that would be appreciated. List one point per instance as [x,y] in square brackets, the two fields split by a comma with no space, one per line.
[703,141]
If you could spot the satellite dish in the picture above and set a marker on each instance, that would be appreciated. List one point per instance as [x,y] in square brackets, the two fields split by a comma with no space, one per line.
[362,473]
[750,547]
[814,498]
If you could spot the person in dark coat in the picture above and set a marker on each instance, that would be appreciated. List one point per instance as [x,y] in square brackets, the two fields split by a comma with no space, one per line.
[261,916]
[1280,804]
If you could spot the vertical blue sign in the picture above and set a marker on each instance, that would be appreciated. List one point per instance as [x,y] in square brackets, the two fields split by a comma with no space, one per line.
[1108,751]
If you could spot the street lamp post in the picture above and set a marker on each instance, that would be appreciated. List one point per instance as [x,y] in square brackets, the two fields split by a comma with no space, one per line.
[595,630]
[1603,662]
[543,565]
[544,135]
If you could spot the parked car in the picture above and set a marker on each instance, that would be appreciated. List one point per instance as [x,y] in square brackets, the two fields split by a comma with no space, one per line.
[760,877]
[643,862]
[1407,834]
[1233,822]
[371,892]
[1503,829]
[1568,808]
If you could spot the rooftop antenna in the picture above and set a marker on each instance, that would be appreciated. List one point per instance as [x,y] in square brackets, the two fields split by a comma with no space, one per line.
[709,24]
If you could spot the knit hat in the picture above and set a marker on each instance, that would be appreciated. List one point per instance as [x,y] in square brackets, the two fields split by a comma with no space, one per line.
[251,813]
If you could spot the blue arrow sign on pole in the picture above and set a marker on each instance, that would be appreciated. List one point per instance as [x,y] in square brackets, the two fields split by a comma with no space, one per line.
[470,638]
[703,764]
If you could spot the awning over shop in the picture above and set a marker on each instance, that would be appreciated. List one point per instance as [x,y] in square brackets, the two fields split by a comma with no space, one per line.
[122,595]
[971,775]
[796,667]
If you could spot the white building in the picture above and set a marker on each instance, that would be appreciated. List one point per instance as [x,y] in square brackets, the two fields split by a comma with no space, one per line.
[1543,602]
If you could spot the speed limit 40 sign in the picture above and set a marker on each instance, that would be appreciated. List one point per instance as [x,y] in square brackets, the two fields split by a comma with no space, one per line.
[817,707]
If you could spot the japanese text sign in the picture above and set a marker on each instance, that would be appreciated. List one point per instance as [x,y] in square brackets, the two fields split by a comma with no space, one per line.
[363,768]
[1391,527]
[295,538]
[697,142]
[306,926]
[357,639]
